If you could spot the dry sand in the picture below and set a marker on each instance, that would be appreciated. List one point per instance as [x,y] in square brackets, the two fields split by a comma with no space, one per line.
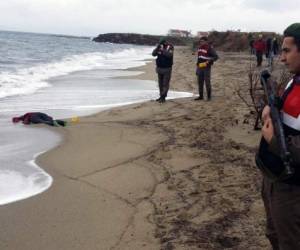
[148,176]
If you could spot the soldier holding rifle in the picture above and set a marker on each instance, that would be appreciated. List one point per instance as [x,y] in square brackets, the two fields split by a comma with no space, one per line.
[279,152]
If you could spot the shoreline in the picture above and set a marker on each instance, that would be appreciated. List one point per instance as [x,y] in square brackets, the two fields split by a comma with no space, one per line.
[135,177]
[60,114]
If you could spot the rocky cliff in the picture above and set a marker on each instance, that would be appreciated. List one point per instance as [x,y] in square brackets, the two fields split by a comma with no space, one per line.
[225,41]
[139,39]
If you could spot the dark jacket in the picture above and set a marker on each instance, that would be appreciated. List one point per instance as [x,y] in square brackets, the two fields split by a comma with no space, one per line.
[268,156]
[271,46]
[164,53]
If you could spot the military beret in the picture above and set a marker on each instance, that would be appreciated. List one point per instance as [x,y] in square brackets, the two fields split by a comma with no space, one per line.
[203,38]
[162,40]
[293,30]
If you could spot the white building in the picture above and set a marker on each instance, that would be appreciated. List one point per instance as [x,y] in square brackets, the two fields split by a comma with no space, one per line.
[179,33]
[202,33]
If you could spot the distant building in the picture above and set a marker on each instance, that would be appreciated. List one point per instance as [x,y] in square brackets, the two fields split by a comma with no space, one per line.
[179,33]
[202,33]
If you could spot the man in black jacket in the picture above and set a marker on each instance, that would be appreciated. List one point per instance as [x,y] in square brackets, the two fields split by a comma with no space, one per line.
[282,196]
[271,49]
[164,62]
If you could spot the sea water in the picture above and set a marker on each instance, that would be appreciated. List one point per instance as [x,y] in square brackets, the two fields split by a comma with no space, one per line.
[62,76]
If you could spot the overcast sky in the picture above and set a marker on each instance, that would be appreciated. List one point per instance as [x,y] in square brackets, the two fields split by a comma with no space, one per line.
[92,17]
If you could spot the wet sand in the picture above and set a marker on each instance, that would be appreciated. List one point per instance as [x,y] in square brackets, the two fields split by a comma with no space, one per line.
[180,175]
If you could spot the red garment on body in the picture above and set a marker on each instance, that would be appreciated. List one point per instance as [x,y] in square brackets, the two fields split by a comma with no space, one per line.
[26,118]
[260,45]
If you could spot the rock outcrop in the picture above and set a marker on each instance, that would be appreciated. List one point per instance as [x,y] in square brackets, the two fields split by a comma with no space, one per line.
[234,41]
[139,39]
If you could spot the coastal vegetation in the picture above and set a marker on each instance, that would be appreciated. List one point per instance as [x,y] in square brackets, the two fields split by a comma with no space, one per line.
[229,41]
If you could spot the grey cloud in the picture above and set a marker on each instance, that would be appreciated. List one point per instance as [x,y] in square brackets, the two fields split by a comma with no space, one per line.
[91,17]
[272,5]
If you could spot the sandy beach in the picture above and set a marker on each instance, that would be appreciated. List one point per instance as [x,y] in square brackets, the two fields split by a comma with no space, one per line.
[180,175]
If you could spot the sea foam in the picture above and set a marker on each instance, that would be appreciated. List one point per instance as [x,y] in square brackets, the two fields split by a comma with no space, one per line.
[29,80]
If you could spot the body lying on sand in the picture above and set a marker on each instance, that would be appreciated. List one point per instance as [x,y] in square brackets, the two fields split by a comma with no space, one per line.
[38,117]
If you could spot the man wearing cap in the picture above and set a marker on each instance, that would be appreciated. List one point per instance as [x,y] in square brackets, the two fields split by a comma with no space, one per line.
[164,52]
[206,57]
[282,196]
[260,48]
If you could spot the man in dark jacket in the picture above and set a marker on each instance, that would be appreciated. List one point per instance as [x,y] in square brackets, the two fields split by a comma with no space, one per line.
[271,50]
[164,62]
[251,44]
[206,57]
[282,196]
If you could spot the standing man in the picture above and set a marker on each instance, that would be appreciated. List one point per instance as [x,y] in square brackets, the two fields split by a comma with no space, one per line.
[275,46]
[206,57]
[251,44]
[260,48]
[282,197]
[271,50]
[164,62]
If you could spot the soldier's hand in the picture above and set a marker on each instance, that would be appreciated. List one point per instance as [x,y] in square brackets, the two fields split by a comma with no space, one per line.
[268,129]
[266,113]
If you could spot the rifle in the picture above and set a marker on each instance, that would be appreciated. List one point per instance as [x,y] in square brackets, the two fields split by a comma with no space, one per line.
[272,99]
